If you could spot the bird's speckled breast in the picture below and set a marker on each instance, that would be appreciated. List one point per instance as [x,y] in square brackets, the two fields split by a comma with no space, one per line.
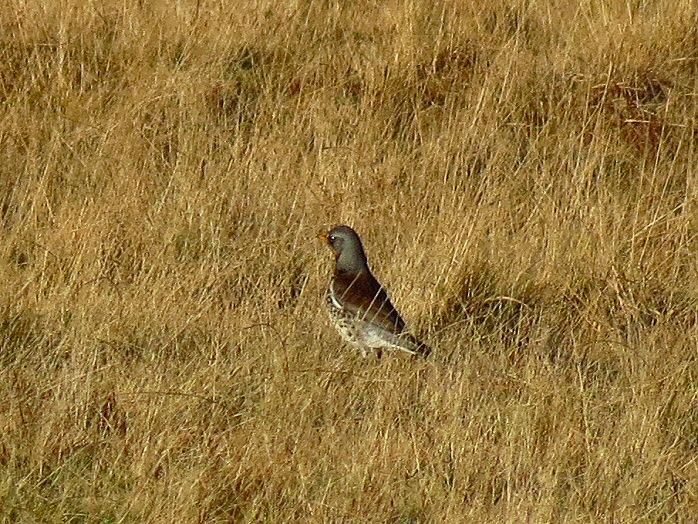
[340,318]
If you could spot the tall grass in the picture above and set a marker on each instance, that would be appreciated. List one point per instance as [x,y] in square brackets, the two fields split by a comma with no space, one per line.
[523,175]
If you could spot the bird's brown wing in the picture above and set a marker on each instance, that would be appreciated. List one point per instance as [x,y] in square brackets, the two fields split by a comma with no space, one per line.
[362,295]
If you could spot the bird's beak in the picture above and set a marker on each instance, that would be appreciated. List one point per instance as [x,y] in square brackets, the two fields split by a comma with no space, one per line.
[323,236]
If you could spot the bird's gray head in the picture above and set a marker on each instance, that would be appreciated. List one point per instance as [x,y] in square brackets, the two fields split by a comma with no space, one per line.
[347,248]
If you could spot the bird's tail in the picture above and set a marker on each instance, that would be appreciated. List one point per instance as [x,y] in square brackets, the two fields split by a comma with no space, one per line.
[415,347]
[423,350]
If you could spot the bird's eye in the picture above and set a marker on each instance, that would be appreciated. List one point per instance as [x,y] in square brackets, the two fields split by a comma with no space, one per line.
[333,238]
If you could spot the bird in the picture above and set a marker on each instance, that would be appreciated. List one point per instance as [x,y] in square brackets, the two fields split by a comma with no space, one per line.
[358,305]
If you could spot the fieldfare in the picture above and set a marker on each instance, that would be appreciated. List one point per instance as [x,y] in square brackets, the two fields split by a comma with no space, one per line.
[358,305]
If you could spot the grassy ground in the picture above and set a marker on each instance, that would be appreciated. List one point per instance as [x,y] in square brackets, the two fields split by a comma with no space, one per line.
[523,175]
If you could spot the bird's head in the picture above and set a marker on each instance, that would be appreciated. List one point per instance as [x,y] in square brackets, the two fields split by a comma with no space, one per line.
[347,248]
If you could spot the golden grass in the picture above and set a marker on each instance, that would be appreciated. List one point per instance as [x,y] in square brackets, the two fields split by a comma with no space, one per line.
[524,177]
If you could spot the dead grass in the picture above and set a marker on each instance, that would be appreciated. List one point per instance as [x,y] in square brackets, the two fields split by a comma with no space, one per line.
[523,174]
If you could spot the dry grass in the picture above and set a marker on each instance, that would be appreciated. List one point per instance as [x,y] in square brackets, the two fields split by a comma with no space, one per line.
[523,174]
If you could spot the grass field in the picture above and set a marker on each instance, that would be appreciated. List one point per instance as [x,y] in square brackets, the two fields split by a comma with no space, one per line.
[524,175]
